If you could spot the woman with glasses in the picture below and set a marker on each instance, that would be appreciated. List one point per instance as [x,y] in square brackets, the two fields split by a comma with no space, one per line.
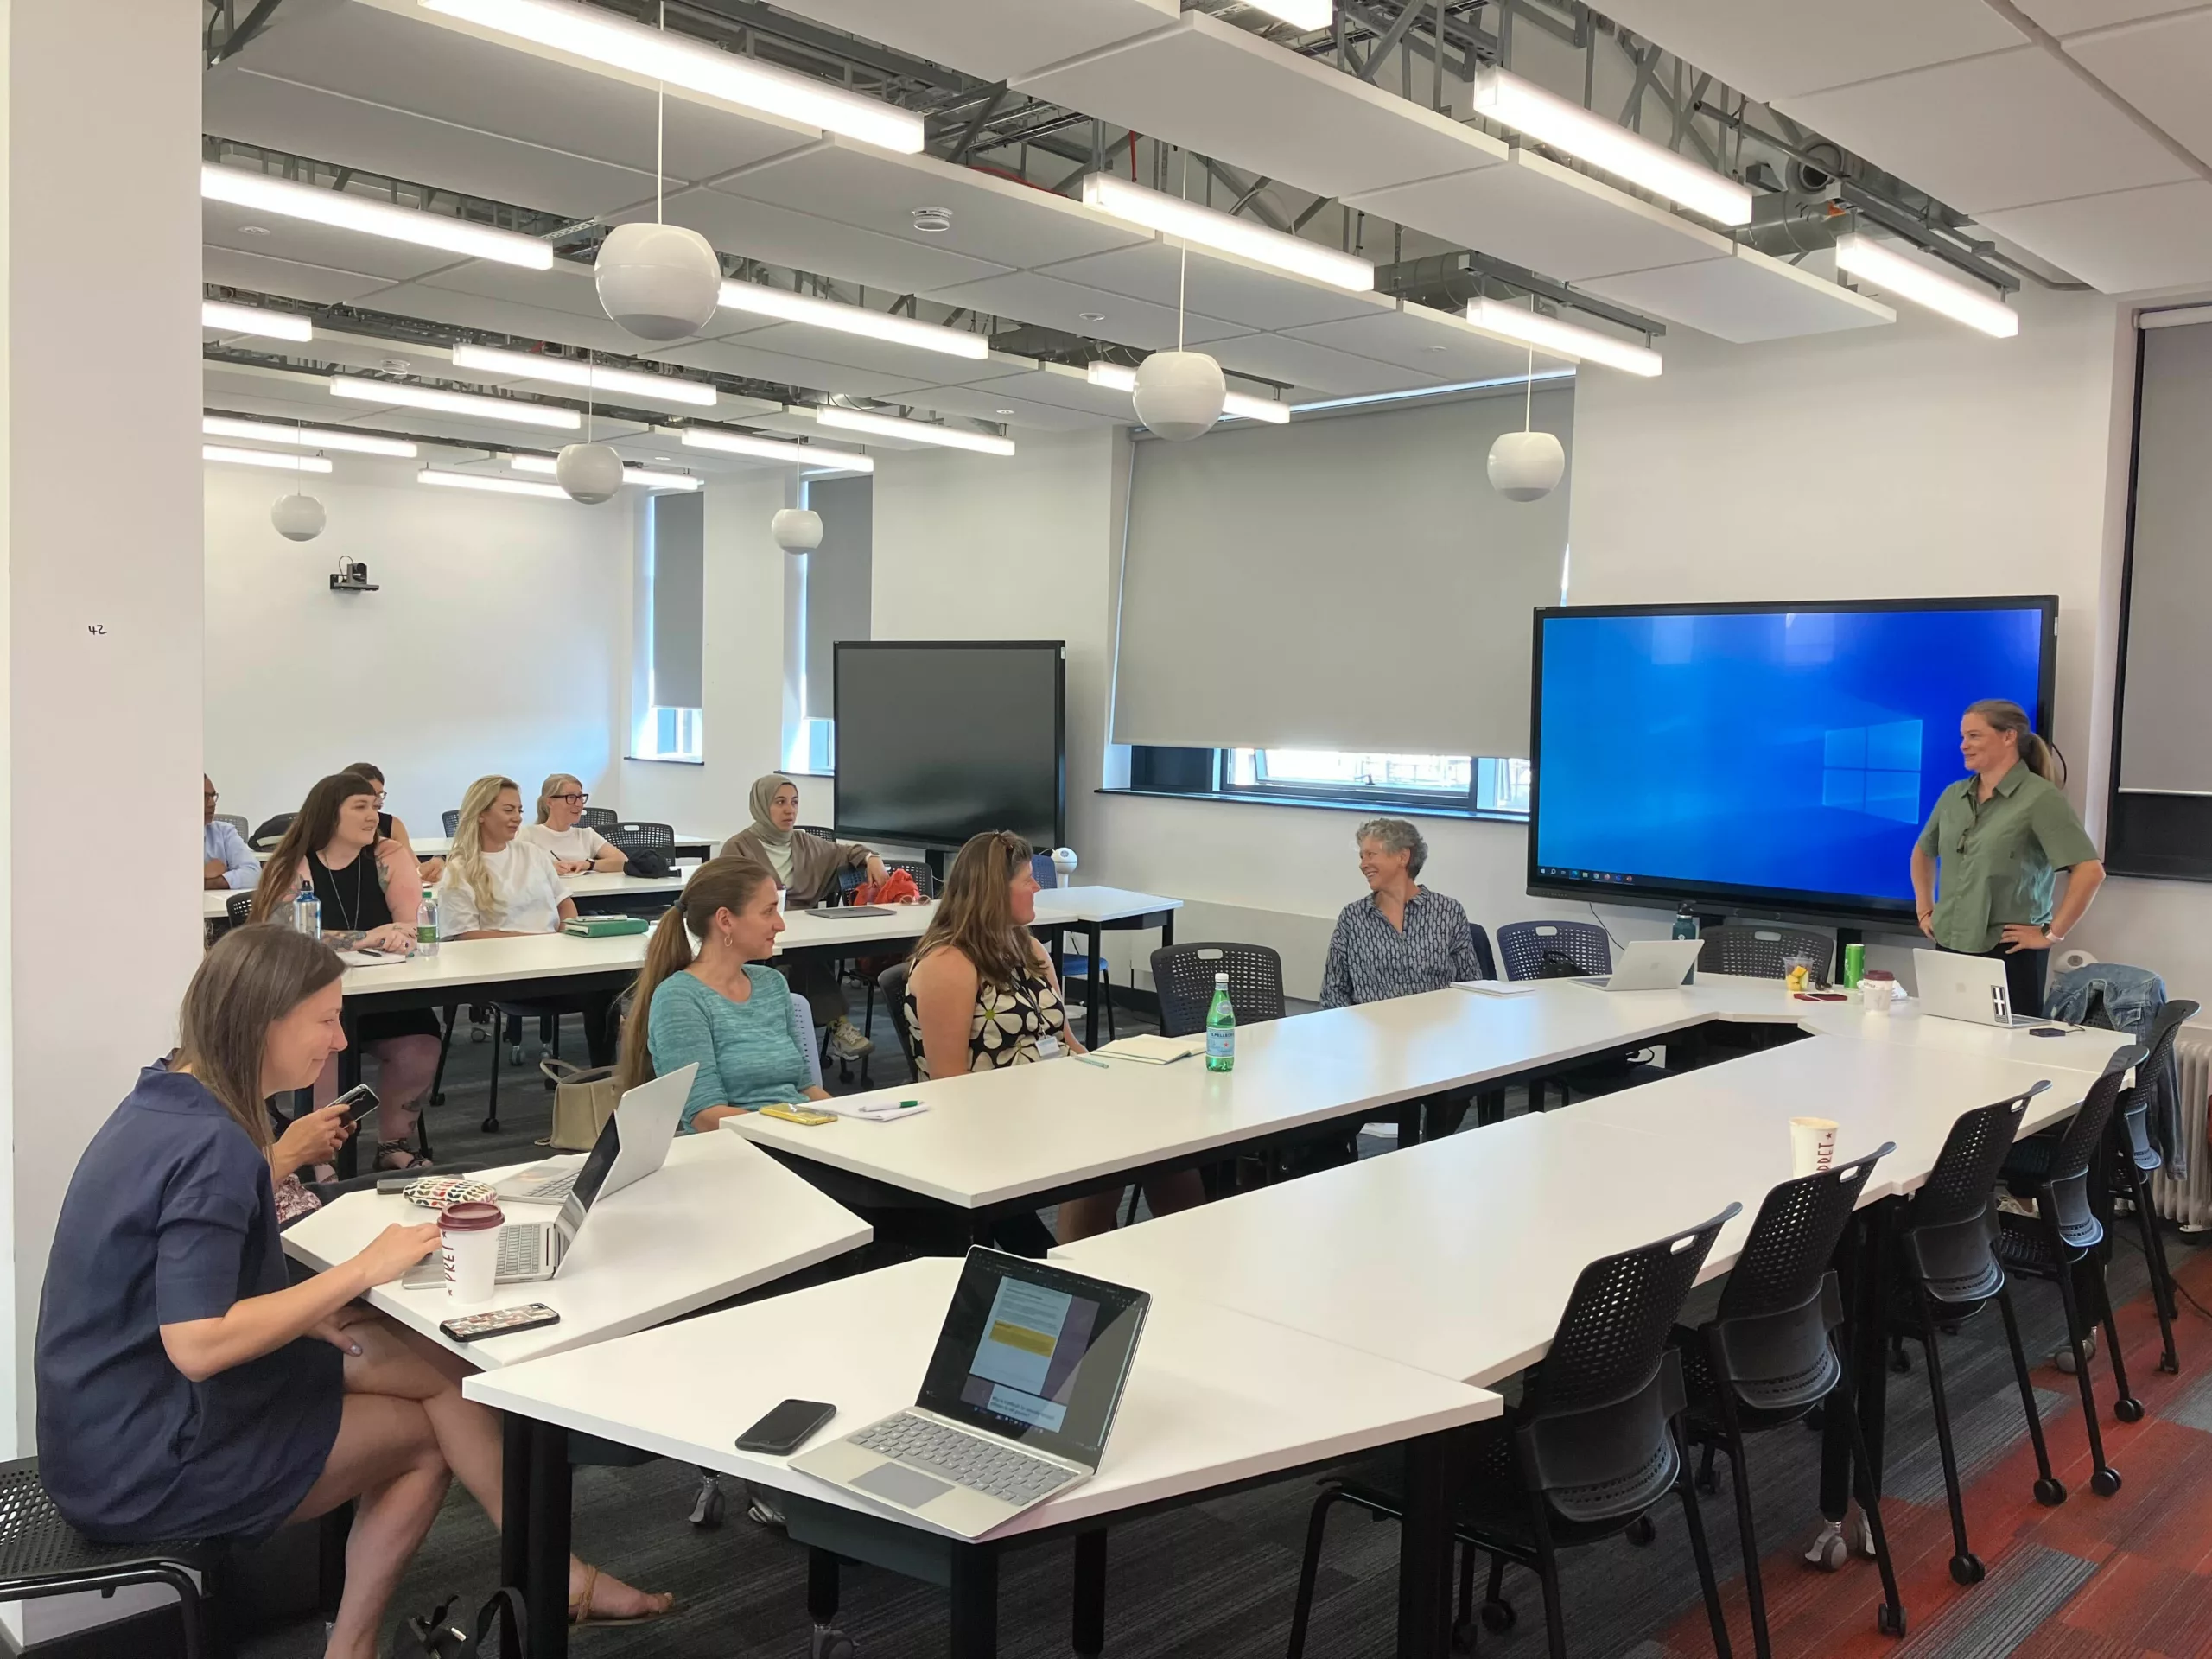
[577,848]
[1998,838]
[389,828]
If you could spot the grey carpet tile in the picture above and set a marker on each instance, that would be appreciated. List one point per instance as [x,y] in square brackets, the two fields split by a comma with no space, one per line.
[1985,1428]
[2194,1408]
[2029,1585]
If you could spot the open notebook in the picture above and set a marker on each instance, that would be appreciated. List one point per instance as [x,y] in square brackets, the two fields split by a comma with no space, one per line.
[1155,1050]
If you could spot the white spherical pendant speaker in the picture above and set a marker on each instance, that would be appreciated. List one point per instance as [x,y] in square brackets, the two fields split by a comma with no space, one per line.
[298,518]
[590,472]
[659,281]
[797,530]
[1526,466]
[1179,394]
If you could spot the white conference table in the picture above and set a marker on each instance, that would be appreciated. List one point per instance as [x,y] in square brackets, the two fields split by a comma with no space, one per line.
[1215,1399]
[707,1226]
[688,845]
[596,886]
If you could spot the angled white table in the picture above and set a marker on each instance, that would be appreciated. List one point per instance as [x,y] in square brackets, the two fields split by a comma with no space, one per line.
[595,886]
[718,1220]
[1216,1399]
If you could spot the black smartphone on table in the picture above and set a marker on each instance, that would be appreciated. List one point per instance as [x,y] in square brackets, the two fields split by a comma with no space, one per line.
[500,1322]
[785,1428]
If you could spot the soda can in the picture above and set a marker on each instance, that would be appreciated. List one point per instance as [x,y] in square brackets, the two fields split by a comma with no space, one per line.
[1854,964]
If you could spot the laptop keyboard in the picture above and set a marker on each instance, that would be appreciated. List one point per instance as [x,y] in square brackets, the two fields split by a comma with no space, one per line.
[964,1459]
[522,1249]
[553,1186]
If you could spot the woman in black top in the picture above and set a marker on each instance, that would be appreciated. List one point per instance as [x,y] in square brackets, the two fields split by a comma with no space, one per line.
[389,827]
[370,892]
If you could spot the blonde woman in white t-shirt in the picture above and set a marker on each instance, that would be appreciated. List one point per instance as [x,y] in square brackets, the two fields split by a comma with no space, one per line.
[497,886]
[577,849]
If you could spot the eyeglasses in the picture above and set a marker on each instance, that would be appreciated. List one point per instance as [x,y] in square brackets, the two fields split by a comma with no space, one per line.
[210,795]
[573,800]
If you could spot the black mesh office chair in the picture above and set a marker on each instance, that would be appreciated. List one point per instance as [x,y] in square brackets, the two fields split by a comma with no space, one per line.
[1949,1271]
[1485,958]
[892,982]
[925,877]
[41,1554]
[821,830]
[598,817]
[1765,953]
[1769,1355]
[239,907]
[1183,975]
[1594,1446]
[641,837]
[270,832]
[1554,949]
[2138,1158]
[452,821]
[237,822]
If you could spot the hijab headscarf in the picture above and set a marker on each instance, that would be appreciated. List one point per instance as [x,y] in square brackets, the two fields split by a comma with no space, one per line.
[777,844]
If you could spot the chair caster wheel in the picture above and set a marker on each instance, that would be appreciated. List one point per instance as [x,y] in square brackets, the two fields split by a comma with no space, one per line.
[1967,1569]
[1498,1617]
[1463,1636]
[2105,1482]
[2128,1410]
[1901,1362]
[1707,1481]
[2050,1491]
[707,1509]
[2171,1367]
[490,1126]
[1641,1532]
[828,1643]
[1889,1620]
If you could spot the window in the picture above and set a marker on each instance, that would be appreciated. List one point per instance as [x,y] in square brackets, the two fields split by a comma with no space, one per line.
[670,734]
[1491,786]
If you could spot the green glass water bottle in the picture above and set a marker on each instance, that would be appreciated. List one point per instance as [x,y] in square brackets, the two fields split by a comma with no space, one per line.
[1220,1028]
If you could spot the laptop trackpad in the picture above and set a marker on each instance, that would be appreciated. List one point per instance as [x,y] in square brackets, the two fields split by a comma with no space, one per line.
[908,1488]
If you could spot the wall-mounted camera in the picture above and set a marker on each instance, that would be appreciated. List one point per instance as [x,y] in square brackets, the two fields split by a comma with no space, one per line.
[352,576]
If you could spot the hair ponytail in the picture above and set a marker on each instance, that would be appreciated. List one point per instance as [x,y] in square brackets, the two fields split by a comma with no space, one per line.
[719,884]
[2042,756]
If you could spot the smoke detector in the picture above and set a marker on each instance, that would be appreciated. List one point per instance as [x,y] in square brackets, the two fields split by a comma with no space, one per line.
[932,221]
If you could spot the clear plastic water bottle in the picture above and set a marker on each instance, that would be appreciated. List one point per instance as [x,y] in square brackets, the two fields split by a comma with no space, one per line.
[1685,928]
[307,914]
[426,925]
[1220,1028]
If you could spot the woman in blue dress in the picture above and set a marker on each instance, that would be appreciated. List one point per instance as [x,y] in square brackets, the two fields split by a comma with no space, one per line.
[185,1389]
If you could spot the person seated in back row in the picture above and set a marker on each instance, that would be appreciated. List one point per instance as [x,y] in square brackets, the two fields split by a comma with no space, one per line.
[227,861]
[497,886]
[807,867]
[389,827]
[576,849]
[1400,939]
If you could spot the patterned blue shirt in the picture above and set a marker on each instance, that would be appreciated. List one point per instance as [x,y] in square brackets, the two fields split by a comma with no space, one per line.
[1370,961]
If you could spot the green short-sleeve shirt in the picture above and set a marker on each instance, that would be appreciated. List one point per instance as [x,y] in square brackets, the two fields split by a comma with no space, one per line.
[1997,858]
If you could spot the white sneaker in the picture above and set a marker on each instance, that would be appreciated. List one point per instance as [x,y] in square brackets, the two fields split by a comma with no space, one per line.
[847,1043]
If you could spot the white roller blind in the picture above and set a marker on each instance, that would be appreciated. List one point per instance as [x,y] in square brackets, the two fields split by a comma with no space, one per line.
[837,580]
[2167,696]
[679,597]
[1343,583]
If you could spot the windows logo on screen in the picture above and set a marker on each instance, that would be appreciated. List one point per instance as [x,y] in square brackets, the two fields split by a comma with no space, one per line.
[1873,769]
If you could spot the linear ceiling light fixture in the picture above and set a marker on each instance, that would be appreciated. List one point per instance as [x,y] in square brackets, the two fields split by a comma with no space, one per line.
[887,426]
[1208,227]
[645,476]
[304,437]
[1907,279]
[852,319]
[1236,406]
[496,483]
[1304,14]
[744,444]
[1568,339]
[347,212]
[264,458]
[252,319]
[588,33]
[568,372]
[1363,398]
[512,410]
[1550,119]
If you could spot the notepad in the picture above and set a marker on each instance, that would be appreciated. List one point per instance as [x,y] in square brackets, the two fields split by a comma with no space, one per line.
[371,958]
[1497,987]
[848,1106]
[1155,1050]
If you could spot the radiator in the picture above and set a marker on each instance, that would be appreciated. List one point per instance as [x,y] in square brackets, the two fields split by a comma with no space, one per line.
[2189,1202]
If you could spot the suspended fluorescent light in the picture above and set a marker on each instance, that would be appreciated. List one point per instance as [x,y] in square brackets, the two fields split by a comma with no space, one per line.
[1305,14]
[305,437]
[1550,119]
[852,319]
[644,476]
[509,410]
[496,483]
[567,371]
[1206,227]
[617,43]
[744,444]
[263,458]
[252,319]
[350,212]
[886,426]
[1365,397]
[1907,279]
[1236,406]
[1568,339]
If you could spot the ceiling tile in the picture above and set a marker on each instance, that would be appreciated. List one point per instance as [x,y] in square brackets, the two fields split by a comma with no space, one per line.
[1217,285]
[993,39]
[1749,297]
[2164,68]
[567,286]
[1227,93]
[734,356]
[1003,401]
[2125,242]
[1320,371]
[463,309]
[807,241]
[2064,17]
[1993,132]
[222,225]
[1052,301]
[261,274]
[1440,347]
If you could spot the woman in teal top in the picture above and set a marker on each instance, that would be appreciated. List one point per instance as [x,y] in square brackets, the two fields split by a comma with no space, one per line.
[752,1038]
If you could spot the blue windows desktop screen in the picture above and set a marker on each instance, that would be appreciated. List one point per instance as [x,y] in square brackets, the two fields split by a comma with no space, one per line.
[1781,757]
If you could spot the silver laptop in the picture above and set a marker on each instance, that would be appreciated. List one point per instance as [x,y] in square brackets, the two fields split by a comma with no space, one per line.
[649,1115]
[1020,1395]
[1650,965]
[1972,989]
[531,1250]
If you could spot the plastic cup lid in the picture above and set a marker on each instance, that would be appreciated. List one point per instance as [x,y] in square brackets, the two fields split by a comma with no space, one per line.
[471,1217]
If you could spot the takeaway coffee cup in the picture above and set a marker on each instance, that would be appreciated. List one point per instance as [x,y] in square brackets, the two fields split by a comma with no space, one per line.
[1812,1145]
[469,1235]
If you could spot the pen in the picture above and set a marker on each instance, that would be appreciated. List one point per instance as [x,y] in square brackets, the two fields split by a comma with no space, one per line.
[1087,1060]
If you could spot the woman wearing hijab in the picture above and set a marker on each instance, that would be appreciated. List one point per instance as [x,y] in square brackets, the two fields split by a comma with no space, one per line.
[806,866]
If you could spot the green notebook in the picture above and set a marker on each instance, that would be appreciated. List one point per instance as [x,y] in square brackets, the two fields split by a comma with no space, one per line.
[605,927]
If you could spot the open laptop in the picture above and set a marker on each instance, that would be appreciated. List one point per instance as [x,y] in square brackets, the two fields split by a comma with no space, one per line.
[649,1115]
[1972,989]
[1019,1395]
[532,1250]
[1649,965]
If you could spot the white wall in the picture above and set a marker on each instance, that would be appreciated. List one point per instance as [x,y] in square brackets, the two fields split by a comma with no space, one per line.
[497,642]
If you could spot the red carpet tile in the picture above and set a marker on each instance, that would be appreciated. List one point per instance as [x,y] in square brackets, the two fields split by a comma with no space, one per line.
[2150,1595]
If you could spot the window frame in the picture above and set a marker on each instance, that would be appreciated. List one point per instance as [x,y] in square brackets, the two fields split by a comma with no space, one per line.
[1478,800]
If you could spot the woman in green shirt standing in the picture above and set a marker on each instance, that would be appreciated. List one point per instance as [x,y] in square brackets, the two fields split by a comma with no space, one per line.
[2000,837]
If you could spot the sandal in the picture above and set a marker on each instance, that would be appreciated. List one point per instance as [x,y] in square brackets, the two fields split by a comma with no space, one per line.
[398,1155]
[581,1612]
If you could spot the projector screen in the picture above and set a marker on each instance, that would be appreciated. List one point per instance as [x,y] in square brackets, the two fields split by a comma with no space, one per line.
[1770,759]
[941,740]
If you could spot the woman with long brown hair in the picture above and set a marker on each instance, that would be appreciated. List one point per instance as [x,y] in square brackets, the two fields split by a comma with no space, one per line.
[982,994]
[185,1390]
[370,890]
[751,1036]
